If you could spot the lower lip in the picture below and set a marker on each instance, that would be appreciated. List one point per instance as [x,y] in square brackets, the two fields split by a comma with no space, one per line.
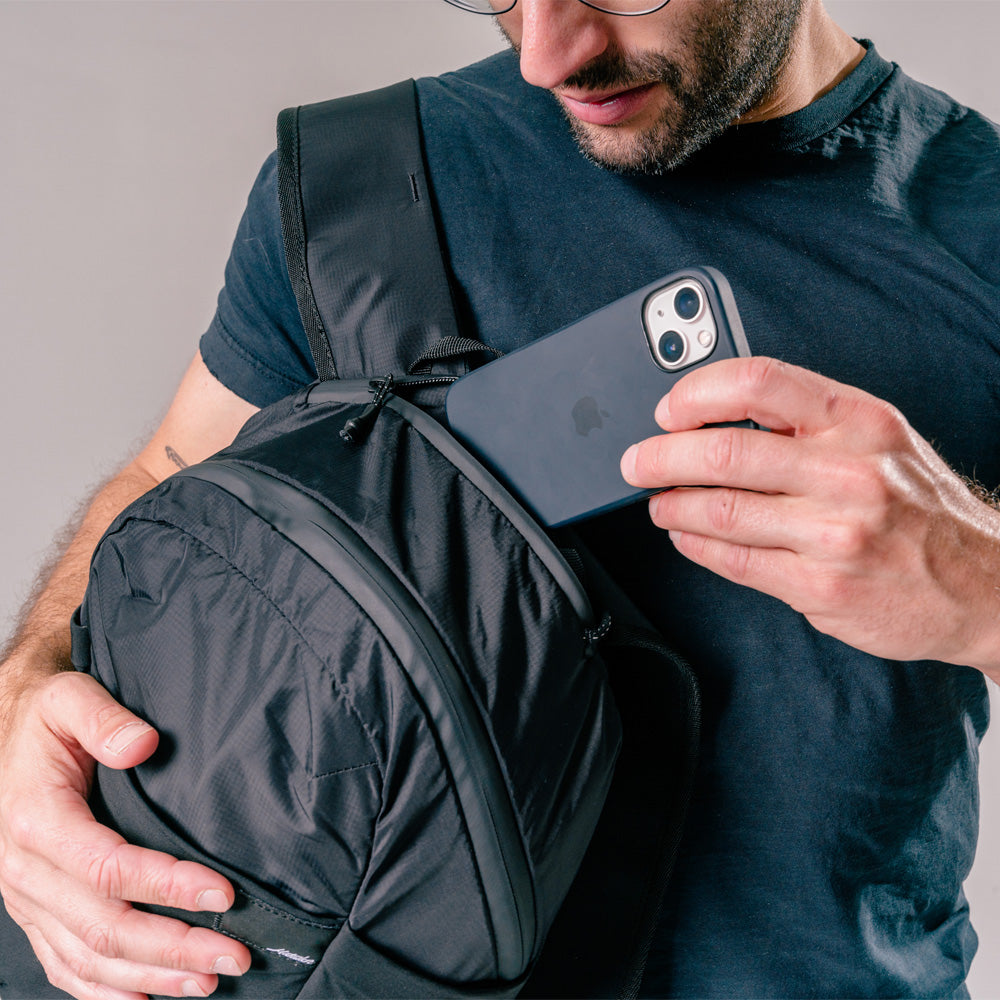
[613,111]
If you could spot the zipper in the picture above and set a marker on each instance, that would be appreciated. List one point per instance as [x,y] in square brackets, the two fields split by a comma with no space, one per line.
[357,429]
[443,441]
[488,812]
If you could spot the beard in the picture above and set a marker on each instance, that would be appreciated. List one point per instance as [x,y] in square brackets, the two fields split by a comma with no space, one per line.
[733,52]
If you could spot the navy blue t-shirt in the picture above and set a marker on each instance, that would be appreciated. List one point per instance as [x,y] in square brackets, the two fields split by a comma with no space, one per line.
[835,811]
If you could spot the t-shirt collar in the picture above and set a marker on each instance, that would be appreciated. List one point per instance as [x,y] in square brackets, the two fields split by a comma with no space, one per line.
[820,117]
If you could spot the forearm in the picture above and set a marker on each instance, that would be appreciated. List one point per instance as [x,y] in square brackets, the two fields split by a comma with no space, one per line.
[41,645]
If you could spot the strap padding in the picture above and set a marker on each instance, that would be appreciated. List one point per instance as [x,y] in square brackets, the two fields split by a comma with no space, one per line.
[360,233]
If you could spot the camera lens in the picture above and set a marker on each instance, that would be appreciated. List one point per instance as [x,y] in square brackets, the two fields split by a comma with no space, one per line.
[687,303]
[672,347]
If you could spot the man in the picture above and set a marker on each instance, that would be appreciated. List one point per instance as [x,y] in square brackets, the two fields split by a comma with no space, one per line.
[832,590]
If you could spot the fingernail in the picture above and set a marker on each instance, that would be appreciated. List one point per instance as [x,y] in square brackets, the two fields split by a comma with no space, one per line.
[629,463]
[190,988]
[226,965]
[654,505]
[213,900]
[121,739]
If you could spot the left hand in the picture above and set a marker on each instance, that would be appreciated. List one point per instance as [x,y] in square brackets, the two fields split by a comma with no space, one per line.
[843,512]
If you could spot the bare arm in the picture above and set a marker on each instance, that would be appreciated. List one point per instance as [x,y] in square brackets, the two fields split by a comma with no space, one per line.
[63,877]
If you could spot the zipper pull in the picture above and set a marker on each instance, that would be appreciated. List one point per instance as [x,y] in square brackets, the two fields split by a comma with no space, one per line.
[357,429]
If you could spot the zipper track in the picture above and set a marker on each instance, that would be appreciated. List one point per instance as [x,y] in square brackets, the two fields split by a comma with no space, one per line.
[457,455]
[500,853]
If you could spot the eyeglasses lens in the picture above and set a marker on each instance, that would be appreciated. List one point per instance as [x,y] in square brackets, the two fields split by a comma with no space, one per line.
[625,7]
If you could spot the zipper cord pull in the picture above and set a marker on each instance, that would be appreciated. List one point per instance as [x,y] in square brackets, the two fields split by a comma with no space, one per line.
[357,429]
[592,636]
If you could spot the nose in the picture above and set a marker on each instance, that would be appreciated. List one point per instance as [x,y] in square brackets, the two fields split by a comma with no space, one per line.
[556,38]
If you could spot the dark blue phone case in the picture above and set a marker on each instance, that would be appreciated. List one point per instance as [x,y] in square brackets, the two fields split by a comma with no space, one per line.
[553,419]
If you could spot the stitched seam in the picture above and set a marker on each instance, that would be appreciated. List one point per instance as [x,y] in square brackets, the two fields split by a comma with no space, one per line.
[318,924]
[344,770]
[463,819]
[278,610]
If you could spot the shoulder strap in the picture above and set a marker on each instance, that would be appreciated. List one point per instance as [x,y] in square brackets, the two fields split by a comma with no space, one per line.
[368,273]
[360,234]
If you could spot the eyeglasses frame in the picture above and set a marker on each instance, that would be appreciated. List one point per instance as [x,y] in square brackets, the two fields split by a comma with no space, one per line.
[586,3]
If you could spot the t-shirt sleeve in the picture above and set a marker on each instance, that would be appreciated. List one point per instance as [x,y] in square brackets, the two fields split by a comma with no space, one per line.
[256,345]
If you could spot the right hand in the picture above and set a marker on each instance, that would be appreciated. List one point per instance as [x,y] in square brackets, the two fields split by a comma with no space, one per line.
[67,880]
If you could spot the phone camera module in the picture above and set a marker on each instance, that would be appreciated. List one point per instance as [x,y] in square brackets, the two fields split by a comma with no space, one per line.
[679,324]
[672,347]
[687,302]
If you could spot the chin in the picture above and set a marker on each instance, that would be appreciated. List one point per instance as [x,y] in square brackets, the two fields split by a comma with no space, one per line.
[629,150]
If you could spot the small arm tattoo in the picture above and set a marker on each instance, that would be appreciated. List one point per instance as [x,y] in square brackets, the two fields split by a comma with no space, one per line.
[175,458]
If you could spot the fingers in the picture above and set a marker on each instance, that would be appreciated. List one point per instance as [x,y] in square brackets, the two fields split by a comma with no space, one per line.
[735,516]
[135,953]
[66,879]
[774,394]
[83,714]
[62,977]
[58,825]
[715,456]
[770,571]
[83,938]
[96,856]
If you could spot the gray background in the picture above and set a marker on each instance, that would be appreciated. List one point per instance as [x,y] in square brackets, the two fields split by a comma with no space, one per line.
[131,133]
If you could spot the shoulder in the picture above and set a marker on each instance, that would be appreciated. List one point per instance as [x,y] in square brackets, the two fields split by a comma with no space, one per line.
[940,160]
[489,83]
[256,345]
[932,126]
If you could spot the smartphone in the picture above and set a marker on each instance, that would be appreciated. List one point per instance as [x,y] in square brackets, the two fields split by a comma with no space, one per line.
[553,419]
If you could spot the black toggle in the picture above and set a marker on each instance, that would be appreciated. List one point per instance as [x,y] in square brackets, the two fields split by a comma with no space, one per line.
[357,429]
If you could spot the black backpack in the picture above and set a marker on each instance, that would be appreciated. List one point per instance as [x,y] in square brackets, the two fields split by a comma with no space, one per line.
[391,706]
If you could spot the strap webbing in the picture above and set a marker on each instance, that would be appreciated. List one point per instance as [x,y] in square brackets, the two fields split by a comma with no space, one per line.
[360,234]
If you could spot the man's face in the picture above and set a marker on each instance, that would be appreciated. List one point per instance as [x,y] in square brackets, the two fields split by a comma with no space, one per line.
[643,93]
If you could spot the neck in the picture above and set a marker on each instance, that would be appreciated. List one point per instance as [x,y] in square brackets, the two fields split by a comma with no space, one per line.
[822,54]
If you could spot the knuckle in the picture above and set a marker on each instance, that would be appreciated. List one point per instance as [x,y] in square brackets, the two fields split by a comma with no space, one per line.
[13,872]
[723,452]
[54,691]
[844,541]
[21,831]
[737,562]
[761,374]
[866,485]
[101,939]
[105,875]
[74,702]
[830,589]
[174,956]
[723,511]
[885,420]
[166,885]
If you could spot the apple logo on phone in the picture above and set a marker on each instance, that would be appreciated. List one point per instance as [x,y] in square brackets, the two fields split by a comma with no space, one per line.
[588,416]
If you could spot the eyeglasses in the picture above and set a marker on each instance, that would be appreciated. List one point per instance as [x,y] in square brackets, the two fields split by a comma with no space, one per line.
[626,8]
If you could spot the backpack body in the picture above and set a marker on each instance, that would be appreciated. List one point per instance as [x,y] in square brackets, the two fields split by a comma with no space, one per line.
[379,696]
[436,753]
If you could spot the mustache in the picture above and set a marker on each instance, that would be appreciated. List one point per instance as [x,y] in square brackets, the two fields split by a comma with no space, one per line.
[624,71]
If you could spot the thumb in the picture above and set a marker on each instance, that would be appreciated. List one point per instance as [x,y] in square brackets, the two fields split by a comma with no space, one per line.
[80,712]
